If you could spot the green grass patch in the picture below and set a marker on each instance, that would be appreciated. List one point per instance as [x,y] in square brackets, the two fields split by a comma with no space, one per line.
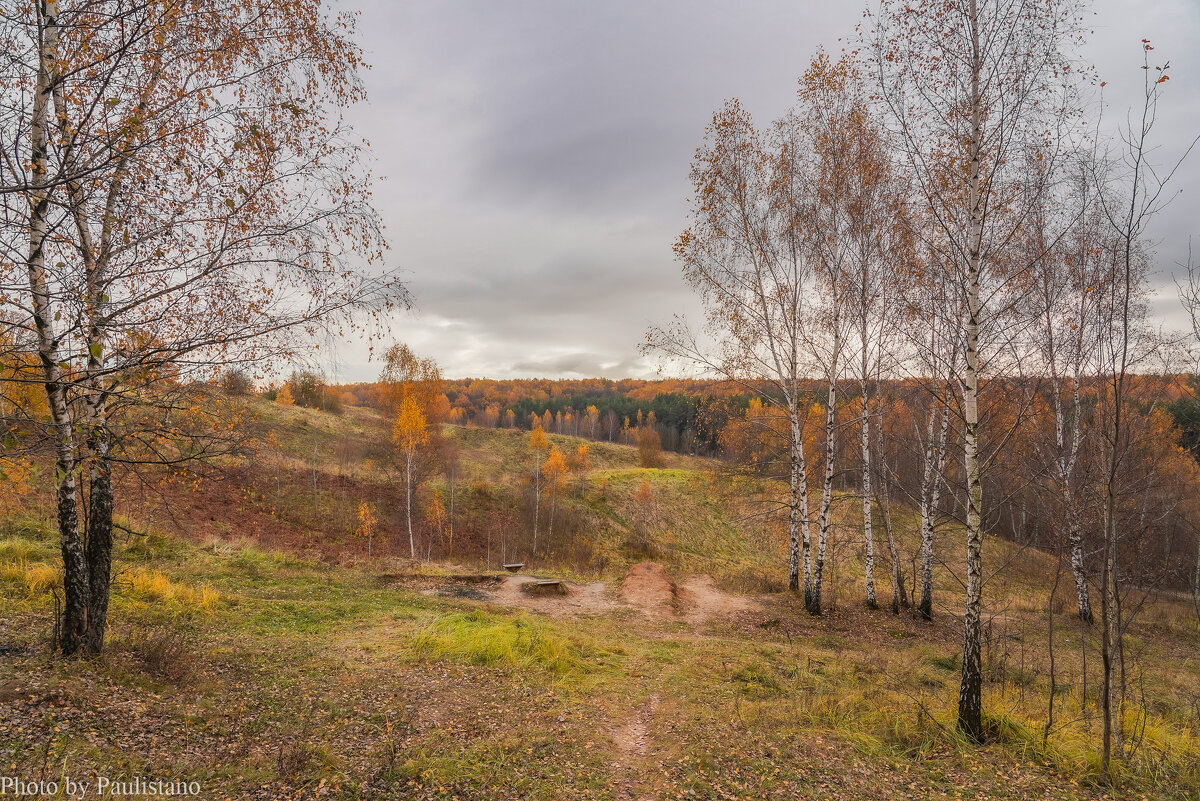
[757,679]
[19,549]
[519,641]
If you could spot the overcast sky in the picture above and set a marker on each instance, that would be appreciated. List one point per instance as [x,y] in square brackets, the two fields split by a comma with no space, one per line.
[533,157]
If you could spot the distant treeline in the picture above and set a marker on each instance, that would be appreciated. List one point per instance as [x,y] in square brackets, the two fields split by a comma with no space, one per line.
[689,415]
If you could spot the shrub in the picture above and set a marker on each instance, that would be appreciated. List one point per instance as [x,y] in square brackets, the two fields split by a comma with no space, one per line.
[236,383]
[164,654]
[294,759]
[649,445]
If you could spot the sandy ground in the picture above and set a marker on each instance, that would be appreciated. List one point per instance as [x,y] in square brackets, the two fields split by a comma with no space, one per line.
[647,588]
[701,601]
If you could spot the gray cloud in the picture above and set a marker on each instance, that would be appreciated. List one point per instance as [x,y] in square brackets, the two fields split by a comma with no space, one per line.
[534,157]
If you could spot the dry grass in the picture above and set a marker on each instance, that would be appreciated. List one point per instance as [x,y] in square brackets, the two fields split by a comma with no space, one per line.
[37,577]
[151,586]
[164,653]
[858,704]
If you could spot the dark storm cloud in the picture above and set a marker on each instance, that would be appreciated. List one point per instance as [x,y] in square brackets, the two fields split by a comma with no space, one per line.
[535,156]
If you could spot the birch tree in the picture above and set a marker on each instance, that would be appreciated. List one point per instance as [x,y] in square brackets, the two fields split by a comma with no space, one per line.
[1189,297]
[972,87]
[746,258]
[881,490]
[937,354]
[178,194]
[1067,276]
[823,209]
[539,445]
[881,245]
[410,432]
[412,396]
[555,472]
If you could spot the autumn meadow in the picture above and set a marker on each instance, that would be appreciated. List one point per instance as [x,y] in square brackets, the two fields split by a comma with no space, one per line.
[889,489]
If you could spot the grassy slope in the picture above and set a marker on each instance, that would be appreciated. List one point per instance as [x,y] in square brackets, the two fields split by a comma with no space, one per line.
[303,677]
[595,524]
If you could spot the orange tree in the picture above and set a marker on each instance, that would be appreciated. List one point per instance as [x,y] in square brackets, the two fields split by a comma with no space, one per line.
[555,472]
[410,432]
[366,524]
[411,388]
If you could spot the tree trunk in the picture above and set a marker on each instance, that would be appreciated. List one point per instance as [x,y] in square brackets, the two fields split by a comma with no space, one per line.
[1196,581]
[970,694]
[798,530]
[74,625]
[931,484]
[412,543]
[1050,645]
[1107,622]
[537,495]
[1067,459]
[970,699]
[899,597]
[99,541]
[868,537]
[826,485]
[1083,599]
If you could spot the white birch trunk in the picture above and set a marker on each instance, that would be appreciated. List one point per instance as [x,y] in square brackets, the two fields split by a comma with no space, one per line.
[868,537]
[76,585]
[931,484]
[970,696]
[1065,464]
[825,520]
[798,526]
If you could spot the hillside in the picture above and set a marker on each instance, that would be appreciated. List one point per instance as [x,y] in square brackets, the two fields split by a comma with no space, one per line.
[257,649]
[310,470]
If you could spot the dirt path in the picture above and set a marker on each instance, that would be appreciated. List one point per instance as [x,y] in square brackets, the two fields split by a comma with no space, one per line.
[632,744]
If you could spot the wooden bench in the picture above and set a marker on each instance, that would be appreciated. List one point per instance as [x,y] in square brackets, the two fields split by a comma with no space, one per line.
[513,568]
[545,587]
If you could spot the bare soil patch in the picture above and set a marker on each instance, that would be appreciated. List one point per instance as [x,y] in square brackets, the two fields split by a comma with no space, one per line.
[566,599]
[700,600]
[648,587]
